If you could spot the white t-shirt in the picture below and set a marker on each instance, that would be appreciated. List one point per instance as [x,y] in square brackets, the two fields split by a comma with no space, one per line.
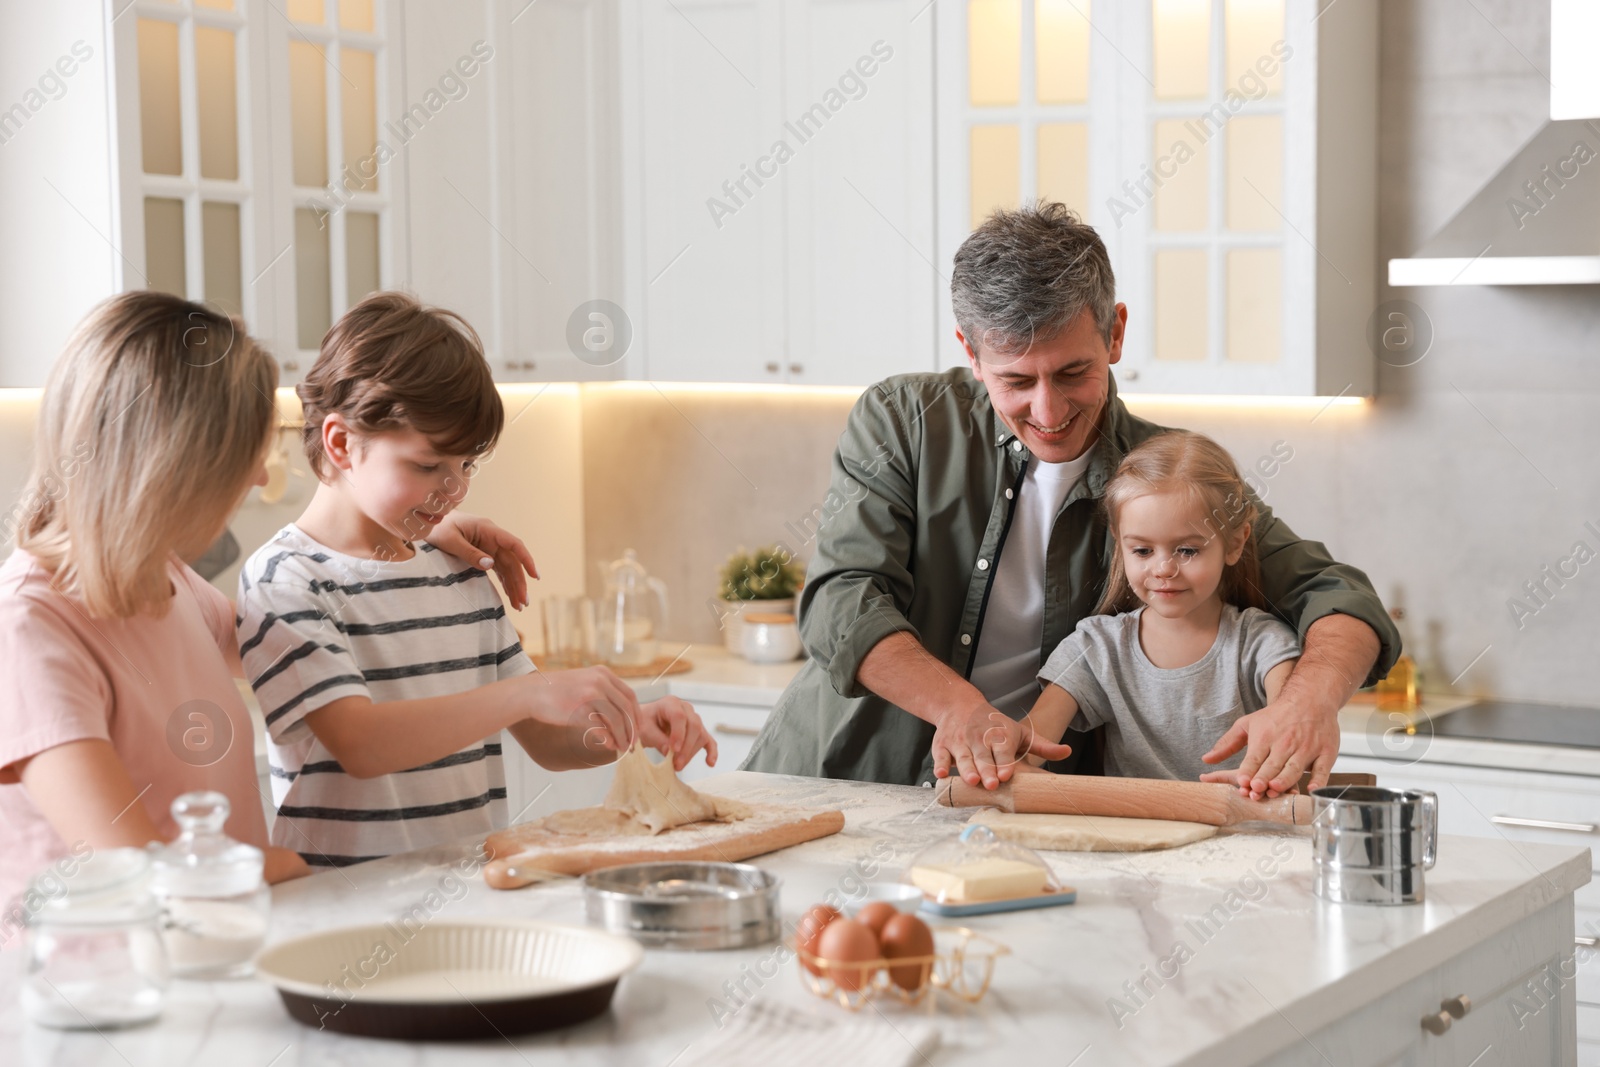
[1006,666]
[315,626]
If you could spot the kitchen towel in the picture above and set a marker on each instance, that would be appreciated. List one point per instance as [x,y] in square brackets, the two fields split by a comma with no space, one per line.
[775,1035]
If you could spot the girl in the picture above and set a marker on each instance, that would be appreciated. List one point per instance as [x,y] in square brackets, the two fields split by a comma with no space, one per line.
[117,661]
[1196,651]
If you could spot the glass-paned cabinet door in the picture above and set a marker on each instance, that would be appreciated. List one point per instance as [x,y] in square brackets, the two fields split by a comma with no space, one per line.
[337,142]
[1026,112]
[193,209]
[1205,220]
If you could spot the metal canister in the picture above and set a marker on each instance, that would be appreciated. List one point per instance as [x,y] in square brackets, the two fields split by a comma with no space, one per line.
[1370,845]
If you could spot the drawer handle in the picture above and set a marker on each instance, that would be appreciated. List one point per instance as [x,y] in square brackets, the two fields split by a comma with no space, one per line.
[1436,1024]
[736,731]
[1544,824]
[1586,942]
[1457,1006]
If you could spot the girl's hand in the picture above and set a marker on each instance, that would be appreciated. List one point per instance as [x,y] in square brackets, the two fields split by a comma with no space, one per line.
[485,545]
[671,727]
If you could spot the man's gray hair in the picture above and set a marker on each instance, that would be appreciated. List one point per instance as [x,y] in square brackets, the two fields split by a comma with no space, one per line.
[1023,275]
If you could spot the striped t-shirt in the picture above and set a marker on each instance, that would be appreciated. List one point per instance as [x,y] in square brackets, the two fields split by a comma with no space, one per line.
[316,626]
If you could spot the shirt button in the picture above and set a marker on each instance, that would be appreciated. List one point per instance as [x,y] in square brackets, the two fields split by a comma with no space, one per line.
[1016,446]
[966,639]
[1009,494]
[983,564]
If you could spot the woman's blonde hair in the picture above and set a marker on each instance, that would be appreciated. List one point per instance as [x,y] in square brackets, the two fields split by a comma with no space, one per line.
[152,422]
[1194,464]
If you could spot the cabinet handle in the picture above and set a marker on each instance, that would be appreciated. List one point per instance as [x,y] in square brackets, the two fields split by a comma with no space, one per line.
[1457,1006]
[1544,824]
[511,364]
[1130,375]
[292,365]
[736,731]
[797,368]
[1436,1024]
[1586,942]
[773,367]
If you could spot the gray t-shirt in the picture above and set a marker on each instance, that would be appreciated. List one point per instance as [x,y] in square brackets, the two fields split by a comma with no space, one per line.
[1160,722]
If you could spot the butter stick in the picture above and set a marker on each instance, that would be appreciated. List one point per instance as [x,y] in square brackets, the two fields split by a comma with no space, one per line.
[990,879]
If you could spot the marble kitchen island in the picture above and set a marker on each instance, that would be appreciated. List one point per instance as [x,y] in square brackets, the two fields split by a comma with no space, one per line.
[1215,953]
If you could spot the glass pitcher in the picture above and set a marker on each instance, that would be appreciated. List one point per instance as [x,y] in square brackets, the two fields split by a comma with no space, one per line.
[633,607]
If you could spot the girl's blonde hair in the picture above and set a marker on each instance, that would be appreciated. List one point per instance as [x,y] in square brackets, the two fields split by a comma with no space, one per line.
[152,422]
[1194,464]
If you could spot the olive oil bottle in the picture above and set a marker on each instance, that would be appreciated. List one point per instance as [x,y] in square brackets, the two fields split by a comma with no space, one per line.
[1397,691]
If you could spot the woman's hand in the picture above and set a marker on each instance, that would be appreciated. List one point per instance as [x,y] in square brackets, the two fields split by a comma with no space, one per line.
[672,727]
[284,864]
[485,545]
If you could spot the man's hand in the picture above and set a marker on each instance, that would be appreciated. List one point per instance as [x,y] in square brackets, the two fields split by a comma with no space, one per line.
[484,545]
[1285,739]
[985,745]
[1298,730]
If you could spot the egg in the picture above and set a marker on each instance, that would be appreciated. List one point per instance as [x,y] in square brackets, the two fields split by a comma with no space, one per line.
[903,937]
[846,941]
[808,931]
[875,915]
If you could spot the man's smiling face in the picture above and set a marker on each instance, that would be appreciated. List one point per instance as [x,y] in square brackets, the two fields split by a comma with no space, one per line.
[1053,393]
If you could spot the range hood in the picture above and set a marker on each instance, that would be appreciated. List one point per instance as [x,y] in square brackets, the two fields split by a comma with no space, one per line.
[1536,222]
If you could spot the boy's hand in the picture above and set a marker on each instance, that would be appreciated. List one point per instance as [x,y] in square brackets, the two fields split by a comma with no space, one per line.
[672,727]
[590,699]
[483,544]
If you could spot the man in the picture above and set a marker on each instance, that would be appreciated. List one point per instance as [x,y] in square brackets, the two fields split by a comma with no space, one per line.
[965,542]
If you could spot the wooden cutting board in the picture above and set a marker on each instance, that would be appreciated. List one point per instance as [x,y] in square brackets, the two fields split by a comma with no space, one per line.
[526,853]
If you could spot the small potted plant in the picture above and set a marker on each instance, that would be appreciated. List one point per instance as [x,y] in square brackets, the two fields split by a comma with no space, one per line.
[765,580]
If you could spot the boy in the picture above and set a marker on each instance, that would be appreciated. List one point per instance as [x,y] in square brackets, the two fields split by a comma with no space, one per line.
[385,668]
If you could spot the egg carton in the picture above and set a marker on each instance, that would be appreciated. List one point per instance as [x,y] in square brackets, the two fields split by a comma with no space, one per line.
[964,970]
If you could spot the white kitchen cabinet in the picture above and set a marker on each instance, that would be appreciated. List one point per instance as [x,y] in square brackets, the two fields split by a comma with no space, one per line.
[1225,150]
[777,189]
[1557,809]
[735,728]
[558,159]
[860,279]
[457,255]
[233,155]
[1501,1024]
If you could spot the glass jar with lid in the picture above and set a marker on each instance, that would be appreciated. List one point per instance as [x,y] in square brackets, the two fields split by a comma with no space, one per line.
[214,902]
[95,954]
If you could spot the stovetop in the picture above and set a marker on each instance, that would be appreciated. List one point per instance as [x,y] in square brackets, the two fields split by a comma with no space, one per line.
[1523,724]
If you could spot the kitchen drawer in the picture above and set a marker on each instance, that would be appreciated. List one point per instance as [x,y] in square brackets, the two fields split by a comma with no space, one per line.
[1481,803]
[1588,1031]
[1492,974]
[735,727]
[1587,958]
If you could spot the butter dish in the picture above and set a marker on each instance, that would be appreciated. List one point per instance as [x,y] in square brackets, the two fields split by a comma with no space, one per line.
[977,873]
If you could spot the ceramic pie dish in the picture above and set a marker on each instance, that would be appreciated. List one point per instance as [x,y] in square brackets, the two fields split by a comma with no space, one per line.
[448,981]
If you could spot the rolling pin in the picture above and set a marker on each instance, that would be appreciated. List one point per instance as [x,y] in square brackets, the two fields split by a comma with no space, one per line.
[1212,803]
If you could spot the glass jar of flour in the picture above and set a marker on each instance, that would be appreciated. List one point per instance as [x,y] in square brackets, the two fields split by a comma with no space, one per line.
[95,958]
[214,902]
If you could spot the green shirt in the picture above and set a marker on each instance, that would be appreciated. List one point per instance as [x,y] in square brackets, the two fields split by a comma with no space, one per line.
[924,485]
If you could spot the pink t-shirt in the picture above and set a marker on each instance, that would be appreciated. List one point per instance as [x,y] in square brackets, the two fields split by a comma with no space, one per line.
[160,690]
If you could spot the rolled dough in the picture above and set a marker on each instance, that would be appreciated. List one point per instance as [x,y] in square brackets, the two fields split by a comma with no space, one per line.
[1091,833]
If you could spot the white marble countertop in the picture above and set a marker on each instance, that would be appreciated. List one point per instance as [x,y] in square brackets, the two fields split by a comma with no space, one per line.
[1277,963]
[1366,731]
[719,677]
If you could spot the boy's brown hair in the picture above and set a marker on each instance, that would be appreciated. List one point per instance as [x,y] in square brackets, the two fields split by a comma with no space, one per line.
[392,363]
